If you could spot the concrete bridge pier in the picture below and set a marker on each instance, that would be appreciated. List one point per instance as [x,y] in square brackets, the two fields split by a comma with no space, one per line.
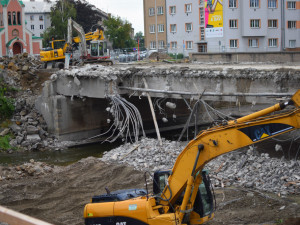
[72,118]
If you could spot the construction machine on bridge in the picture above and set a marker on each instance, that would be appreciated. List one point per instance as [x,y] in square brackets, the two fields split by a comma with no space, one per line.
[97,52]
[183,195]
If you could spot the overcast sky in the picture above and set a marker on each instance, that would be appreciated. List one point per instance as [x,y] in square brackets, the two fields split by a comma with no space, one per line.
[131,10]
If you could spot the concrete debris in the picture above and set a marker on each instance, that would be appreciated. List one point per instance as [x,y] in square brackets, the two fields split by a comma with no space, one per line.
[31,168]
[22,63]
[244,168]
[171,105]
[90,70]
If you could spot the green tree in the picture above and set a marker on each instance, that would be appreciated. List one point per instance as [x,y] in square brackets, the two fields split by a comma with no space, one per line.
[139,36]
[60,13]
[87,15]
[119,32]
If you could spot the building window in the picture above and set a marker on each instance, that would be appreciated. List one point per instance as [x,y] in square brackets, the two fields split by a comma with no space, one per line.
[232,3]
[273,42]
[41,27]
[9,18]
[292,43]
[1,19]
[272,4]
[189,45]
[152,45]
[253,43]
[233,43]
[151,11]
[291,4]
[173,28]
[174,45]
[291,24]
[172,10]
[160,28]
[233,23]
[32,27]
[41,18]
[202,47]
[160,10]
[32,17]
[272,24]
[201,2]
[188,8]
[188,27]
[152,28]
[14,18]
[202,34]
[19,18]
[161,44]
[202,16]
[254,3]
[255,23]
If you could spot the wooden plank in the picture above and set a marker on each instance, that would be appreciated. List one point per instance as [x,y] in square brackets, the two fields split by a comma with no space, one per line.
[15,218]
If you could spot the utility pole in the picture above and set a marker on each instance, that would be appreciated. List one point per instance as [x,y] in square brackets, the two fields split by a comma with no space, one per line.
[156,30]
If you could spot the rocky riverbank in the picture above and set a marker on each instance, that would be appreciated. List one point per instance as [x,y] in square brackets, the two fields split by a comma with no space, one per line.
[26,129]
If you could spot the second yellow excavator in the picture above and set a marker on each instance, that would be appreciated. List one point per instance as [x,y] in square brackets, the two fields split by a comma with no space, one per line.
[183,195]
[54,56]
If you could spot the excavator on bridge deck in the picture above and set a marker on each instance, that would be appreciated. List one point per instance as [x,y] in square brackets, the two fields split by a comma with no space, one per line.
[183,195]
[54,56]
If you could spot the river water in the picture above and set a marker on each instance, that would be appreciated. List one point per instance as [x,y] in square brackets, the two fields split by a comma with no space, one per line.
[62,157]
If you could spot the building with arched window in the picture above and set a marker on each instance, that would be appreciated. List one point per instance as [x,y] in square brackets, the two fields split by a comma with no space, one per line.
[14,37]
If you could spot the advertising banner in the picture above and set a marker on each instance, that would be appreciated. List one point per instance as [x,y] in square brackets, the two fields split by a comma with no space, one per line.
[213,18]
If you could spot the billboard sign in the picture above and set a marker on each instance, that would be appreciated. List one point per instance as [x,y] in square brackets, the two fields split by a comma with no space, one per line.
[213,18]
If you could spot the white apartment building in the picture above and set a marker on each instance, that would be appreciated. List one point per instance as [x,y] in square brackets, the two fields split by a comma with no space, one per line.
[37,16]
[232,26]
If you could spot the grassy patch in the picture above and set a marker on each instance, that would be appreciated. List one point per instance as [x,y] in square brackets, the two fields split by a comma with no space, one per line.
[179,56]
[4,143]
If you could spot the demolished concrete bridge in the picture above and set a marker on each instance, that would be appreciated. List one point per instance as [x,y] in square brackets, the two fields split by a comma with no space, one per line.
[74,102]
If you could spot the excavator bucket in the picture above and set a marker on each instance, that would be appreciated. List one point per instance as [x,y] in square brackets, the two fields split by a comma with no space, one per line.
[296,98]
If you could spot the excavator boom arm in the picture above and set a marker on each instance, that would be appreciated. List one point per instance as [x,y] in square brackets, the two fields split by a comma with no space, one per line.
[223,139]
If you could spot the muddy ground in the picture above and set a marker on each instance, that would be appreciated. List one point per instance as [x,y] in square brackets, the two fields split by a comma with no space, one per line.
[59,197]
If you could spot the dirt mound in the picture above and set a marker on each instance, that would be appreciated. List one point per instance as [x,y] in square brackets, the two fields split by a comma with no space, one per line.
[159,56]
[59,197]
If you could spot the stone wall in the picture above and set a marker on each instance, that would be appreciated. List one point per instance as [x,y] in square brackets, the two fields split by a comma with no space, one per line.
[259,57]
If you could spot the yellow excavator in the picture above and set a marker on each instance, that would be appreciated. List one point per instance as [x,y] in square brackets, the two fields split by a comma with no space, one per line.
[54,56]
[183,195]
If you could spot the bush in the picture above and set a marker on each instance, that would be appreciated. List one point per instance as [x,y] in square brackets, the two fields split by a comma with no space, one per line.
[179,56]
[6,104]
[4,142]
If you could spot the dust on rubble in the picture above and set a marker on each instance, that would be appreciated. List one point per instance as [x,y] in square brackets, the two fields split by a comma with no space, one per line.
[58,196]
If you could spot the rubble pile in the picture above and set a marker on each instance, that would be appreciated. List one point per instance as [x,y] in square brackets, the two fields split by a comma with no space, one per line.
[31,168]
[146,154]
[29,127]
[22,63]
[248,168]
[20,69]
[245,168]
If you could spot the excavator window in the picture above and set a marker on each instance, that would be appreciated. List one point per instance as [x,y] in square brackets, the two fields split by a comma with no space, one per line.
[160,181]
[204,203]
[94,49]
[58,44]
[101,53]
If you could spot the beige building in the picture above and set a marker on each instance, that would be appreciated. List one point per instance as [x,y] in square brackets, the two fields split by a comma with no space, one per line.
[155,24]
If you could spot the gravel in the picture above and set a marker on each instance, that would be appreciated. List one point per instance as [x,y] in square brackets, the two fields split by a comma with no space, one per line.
[245,167]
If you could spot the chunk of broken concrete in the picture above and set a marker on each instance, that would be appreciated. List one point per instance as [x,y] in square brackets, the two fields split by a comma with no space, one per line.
[33,137]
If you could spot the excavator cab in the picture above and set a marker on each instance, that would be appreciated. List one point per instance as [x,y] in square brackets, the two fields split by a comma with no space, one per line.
[204,203]
[98,48]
